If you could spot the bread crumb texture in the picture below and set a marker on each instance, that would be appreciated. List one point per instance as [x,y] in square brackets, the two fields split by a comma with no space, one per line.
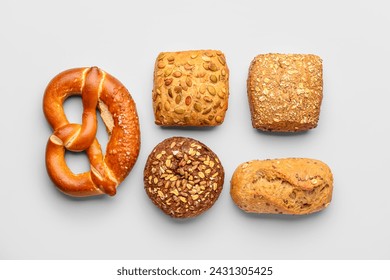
[282,186]
[285,91]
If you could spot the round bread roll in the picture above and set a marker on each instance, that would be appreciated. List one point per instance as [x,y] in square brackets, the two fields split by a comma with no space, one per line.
[183,177]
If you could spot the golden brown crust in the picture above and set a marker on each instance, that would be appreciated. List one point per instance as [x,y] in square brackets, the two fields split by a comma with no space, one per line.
[124,144]
[100,90]
[183,177]
[191,88]
[285,186]
[285,91]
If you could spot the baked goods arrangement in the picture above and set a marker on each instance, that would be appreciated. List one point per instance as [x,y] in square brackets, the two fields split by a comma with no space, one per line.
[98,89]
[282,186]
[183,177]
[191,88]
[285,91]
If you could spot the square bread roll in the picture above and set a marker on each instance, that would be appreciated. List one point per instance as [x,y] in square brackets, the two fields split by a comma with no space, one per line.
[285,91]
[191,88]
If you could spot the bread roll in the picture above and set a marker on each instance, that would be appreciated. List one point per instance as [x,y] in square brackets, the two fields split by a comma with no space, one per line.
[282,186]
[183,177]
[191,88]
[285,91]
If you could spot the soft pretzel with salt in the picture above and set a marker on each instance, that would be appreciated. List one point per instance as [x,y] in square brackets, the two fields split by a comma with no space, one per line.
[98,89]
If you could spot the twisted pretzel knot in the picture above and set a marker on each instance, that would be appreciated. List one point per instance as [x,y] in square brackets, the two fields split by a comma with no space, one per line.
[99,90]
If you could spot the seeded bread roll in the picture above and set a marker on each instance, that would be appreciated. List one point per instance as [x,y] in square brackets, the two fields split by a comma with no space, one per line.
[183,177]
[282,186]
[191,88]
[285,91]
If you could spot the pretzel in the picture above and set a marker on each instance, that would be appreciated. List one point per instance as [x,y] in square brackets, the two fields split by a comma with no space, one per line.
[98,89]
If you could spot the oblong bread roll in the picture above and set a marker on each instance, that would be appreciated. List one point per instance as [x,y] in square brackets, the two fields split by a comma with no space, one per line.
[282,186]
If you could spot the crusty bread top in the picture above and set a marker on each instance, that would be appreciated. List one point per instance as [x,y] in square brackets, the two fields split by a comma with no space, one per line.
[191,88]
[183,177]
[302,172]
[285,91]
[292,186]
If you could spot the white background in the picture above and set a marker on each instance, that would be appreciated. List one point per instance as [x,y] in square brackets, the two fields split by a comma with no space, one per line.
[42,38]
